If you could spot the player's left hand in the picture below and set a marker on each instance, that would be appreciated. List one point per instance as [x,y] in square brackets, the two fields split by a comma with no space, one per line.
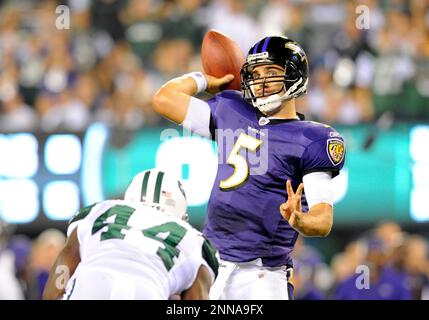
[291,209]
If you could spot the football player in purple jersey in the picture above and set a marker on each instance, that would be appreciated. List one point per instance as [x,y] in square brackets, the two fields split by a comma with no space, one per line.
[266,151]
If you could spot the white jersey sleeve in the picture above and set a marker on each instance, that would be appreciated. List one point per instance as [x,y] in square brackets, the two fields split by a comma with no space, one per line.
[196,250]
[78,217]
[318,188]
[197,118]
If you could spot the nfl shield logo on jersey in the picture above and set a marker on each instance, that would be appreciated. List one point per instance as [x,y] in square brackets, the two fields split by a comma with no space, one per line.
[335,150]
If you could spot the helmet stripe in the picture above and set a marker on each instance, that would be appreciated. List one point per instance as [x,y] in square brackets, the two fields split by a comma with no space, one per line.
[144,185]
[264,47]
[255,49]
[158,184]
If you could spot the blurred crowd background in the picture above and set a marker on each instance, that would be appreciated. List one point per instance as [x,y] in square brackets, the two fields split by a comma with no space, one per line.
[116,54]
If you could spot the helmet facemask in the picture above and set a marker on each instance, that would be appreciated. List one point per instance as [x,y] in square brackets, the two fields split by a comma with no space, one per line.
[277,51]
[269,102]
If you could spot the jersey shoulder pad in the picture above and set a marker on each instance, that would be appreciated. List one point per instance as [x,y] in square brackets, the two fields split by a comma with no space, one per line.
[325,148]
[232,100]
[82,213]
[230,94]
[316,131]
[184,224]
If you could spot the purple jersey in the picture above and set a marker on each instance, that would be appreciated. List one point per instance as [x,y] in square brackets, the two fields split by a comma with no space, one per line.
[243,219]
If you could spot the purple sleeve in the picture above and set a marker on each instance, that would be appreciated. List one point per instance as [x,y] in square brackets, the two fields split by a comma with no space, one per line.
[326,154]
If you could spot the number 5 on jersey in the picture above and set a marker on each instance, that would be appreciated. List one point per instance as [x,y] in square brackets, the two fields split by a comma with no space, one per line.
[241,168]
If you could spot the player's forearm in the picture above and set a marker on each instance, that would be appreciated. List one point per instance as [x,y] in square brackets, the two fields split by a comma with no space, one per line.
[317,222]
[64,267]
[53,290]
[201,286]
[172,99]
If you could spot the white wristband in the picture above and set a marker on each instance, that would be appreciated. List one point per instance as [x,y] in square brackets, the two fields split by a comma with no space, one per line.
[200,79]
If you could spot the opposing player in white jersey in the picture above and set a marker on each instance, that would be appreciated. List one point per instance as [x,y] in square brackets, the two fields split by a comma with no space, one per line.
[136,248]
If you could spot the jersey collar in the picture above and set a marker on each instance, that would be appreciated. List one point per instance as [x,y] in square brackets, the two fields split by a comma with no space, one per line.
[264,120]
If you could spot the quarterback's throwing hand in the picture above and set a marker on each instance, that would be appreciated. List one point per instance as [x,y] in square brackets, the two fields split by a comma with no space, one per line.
[214,85]
[291,209]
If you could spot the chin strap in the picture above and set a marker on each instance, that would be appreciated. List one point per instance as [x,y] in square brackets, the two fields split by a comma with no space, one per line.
[273,102]
[268,104]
